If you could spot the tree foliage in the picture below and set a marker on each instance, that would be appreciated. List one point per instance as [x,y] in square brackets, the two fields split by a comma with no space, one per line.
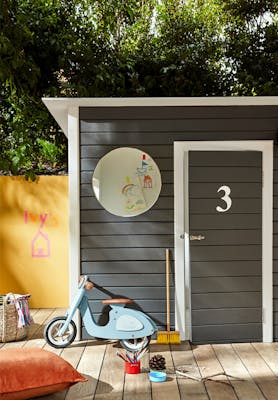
[123,48]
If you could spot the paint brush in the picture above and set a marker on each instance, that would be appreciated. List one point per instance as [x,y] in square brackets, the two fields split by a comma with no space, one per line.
[142,353]
[129,359]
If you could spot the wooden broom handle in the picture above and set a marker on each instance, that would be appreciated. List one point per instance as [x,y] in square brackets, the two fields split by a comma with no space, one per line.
[168,287]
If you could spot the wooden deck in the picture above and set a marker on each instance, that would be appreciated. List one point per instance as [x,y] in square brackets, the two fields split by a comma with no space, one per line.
[253,367]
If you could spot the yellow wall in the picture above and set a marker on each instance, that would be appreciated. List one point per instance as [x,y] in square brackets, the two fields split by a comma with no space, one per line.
[34,239]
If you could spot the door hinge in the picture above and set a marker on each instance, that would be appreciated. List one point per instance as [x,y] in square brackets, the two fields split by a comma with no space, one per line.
[263,315]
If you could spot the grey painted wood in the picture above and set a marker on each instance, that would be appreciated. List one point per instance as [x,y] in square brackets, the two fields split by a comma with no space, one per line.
[275,189]
[226,253]
[161,125]
[231,333]
[220,284]
[216,112]
[275,292]
[104,216]
[136,138]
[122,267]
[226,316]
[100,151]
[127,228]
[225,174]
[225,268]
[153,130]
[233,221]
[122,254]
[131,280]
[207,218]
[91,203]
[275,278]
[227,237]
[240,190]
[229,300]
[224,158]
[239,206]
[275,265]
[91,242]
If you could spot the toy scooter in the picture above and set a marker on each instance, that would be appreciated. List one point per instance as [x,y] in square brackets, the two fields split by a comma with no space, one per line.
[133,328]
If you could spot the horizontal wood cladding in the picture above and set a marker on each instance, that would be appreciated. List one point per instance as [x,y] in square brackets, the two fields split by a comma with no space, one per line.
[173,113]
[123,254]
[232,332]
[225,284]
[193,124]
[230,300]
[134,241]
[123,267]
[126,256]
[226,316]
[225,268]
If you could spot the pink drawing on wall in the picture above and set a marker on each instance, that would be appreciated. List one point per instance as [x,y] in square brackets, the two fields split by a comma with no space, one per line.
[40,245]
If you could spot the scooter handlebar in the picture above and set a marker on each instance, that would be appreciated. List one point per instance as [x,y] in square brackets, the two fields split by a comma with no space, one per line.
[84,281]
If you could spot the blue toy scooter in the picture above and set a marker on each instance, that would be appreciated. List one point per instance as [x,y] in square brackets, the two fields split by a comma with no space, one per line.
[133,328]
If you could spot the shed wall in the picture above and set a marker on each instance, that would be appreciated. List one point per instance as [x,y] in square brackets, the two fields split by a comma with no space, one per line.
[127,256]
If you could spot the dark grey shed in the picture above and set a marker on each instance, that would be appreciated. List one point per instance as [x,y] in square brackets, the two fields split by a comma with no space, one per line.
[224,287]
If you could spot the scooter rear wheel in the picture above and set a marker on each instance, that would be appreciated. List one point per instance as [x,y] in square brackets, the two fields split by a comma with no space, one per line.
[134,345]
[52,329]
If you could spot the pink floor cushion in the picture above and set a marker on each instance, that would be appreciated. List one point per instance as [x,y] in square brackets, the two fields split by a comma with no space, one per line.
[33,372]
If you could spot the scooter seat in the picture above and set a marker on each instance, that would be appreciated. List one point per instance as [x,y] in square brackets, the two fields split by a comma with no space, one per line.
[117,301]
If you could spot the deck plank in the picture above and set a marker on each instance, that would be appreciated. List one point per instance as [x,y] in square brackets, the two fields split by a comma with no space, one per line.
[258,369]
[168,389]
[137,386]
[183,359]
[218,388]
[89,366]
[269,352]
[111,379]
[244,386]
[254,366]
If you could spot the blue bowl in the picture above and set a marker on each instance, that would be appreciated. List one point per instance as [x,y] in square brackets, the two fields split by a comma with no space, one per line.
[157,376]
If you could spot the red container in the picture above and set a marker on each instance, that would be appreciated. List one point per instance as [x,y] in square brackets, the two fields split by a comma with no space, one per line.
[132,368]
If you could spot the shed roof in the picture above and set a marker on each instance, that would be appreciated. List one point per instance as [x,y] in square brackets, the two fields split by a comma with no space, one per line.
[60,107]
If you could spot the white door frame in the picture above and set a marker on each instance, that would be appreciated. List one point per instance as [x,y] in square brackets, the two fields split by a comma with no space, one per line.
[181,216]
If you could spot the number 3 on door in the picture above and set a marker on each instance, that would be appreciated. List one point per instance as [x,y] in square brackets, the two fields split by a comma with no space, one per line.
[226,198]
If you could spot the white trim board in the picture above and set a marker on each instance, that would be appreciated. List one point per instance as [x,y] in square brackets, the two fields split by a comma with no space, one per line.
[59,106]
[74,207]
[182,266]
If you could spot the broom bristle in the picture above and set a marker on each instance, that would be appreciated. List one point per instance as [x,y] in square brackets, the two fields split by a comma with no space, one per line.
[162,337]
[165,337]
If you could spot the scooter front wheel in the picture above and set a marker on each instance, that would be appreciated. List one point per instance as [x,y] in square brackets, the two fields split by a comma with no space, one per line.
[52,329]
[134,345]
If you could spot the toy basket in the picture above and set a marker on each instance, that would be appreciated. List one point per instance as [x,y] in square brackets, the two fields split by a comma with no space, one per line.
[9,330]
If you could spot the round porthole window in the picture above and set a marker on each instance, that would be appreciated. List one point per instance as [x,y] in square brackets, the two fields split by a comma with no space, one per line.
[126,182]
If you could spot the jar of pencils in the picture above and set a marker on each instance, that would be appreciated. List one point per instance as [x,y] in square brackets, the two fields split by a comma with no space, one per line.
[132,367]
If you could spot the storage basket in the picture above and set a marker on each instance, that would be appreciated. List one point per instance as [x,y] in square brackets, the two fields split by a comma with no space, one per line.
[9,330]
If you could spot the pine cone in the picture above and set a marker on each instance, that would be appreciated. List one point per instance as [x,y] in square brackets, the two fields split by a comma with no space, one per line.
[157,362]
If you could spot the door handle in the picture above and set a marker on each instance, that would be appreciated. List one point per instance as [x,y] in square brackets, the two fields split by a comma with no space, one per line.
[196,237]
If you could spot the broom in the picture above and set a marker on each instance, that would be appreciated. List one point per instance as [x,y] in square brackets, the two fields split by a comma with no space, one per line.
[168,336]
